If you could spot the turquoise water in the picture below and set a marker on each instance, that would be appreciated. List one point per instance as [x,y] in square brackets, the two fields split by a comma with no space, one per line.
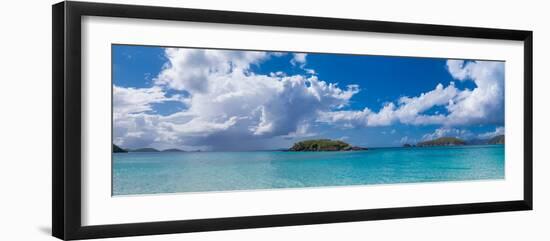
[163,172]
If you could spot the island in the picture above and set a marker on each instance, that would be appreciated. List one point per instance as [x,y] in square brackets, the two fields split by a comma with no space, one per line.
[147,149]
[442,141]
[173,150]
[453,141]
[117,149]
[324,145]
[497,140]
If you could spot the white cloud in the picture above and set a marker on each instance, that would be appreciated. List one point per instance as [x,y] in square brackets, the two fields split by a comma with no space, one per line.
[482,105]
[498,131]
[299,59]
[346,118]
[135,100]
[408,110]
[302,131]
[310,71]
[448,132]
[227,102]
[278,73]
[457,69]
[407,140]
[192,69]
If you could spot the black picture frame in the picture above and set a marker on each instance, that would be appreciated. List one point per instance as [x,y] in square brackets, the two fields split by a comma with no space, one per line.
[66,158]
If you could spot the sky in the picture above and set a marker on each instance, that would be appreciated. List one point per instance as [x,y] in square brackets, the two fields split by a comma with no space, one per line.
[235,100]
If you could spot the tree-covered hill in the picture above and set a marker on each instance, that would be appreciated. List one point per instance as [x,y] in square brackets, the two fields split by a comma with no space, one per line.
[324,145]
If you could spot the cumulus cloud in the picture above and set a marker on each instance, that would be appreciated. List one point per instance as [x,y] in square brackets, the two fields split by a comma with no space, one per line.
[136,100]
[299,59]
[192,69]
[408,110]
[227,101]
[481,105]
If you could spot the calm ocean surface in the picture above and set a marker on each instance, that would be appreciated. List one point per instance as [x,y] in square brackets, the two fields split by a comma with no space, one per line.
[169,172]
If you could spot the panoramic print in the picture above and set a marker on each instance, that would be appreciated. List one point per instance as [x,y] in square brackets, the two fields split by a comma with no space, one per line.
[203,120]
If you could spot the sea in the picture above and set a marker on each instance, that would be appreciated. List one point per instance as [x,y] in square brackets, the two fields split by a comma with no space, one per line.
[181,172]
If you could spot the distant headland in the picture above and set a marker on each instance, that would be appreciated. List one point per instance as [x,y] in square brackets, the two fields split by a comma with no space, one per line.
[443,141]
[324,145]
[453,141]
[496,140]
[117,149]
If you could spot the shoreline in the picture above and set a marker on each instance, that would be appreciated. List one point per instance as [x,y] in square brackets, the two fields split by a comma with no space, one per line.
[348,151]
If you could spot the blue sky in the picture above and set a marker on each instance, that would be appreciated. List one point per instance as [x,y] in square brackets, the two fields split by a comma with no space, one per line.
[215,99]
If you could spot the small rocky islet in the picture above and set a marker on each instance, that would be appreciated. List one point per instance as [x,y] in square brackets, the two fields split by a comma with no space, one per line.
[324,145]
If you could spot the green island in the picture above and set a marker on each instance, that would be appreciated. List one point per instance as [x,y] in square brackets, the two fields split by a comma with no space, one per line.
[324,145]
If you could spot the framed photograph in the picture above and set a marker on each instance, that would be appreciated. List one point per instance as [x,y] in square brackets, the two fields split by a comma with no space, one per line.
[169,120]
